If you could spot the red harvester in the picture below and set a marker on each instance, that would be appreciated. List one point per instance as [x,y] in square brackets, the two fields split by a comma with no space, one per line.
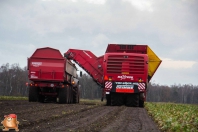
[123,71]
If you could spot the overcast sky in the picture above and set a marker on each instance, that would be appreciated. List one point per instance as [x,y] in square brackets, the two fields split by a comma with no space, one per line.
[169,27]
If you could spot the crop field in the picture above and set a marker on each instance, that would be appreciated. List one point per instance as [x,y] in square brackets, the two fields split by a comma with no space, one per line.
[174,117]
[93,115]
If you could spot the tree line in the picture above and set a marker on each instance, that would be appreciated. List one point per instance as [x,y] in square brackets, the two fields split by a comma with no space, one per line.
[13,81]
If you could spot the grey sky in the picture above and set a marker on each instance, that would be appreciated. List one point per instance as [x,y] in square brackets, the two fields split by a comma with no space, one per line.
[169,27]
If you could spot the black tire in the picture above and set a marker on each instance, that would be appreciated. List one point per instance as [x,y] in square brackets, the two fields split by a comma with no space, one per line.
[78,98]
[33,94]
[132,100]
[63,95]
[75,95]
[117,99]
[41,98]
[141,103]
[108,98]
[71,94]
[68,95]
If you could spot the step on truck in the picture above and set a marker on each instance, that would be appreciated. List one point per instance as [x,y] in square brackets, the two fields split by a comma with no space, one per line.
[123,72]
[53,77]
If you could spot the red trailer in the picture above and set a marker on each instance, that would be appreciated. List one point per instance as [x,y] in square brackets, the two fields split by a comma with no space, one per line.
[123,71]
[52,76]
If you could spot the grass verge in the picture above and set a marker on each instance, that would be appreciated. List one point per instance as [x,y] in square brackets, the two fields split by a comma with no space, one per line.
[13,98]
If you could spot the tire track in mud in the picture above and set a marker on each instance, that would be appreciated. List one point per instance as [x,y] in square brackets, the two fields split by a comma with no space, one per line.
[44,116]
[132,119]
[27,107]
[76,121]
[91,120]
[126,121]
[83,117]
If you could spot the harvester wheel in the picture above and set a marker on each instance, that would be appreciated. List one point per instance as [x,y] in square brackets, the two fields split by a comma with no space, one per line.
[108,98]
[141,100]
[62,95]
[116,99]
[41,98]
[141,103]
[33,94]
[132,100]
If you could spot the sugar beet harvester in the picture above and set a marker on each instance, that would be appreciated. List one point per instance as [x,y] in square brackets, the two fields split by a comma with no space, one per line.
[123,71]
[52,76]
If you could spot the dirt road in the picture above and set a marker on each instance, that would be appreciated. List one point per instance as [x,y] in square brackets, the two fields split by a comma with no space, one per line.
[83,117]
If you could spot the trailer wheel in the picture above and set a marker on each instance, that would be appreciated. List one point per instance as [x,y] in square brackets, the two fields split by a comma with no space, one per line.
[71,94]
[132,100]
[68,95]
[78,98]
[75,95]
[33,94]
[63,95]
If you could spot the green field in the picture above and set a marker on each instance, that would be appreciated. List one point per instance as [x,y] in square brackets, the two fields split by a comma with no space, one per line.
[174,117]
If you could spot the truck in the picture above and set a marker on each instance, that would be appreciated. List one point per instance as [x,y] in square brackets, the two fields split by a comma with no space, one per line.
[123,72]
[53,77]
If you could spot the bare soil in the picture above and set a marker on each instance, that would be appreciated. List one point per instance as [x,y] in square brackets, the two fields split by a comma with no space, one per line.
[53,117]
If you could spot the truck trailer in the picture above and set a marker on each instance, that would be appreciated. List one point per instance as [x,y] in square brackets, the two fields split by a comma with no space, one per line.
[53,77]
[123,72]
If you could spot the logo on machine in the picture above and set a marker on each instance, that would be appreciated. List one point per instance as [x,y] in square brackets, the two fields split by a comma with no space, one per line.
[36,64]
[123,77]
[33,76]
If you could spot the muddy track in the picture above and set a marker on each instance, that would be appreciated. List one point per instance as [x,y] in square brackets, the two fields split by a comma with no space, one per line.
[51,117]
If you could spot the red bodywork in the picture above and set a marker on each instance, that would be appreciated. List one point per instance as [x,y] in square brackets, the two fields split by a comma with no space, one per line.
[123,68]
[49,69]
[89,62]
[46,64]
[124,72]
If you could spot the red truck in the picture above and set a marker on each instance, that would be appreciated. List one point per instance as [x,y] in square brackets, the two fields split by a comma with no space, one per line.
[53,77]
[123,71]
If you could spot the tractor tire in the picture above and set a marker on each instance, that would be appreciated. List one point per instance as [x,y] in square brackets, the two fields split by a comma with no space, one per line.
[141,100]
[71,94]
[132,100]
[75,95]
[68,95]
[33,94]
[117,99]
[63,95]
[108,98]
[141,103]
[41,98]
